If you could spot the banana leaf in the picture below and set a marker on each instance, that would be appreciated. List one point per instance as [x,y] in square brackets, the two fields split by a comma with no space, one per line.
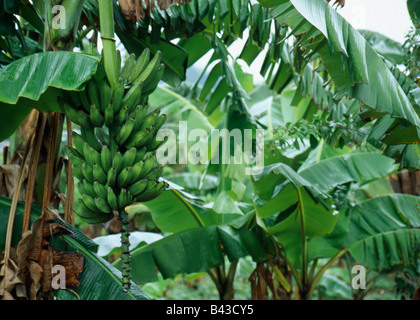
[388,48]
[384,232]
[361,167]
[36,81]
[300,207]
[99,280]
[353,65]
[175,211]
[192,251]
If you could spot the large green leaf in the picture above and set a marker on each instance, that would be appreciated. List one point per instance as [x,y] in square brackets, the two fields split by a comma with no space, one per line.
[175,211]
[354,66]
[31,76]
[294,209]
[361,167]
[297,210]
[99,280]
[388,48]
[384,232]
[36,81]
[413,7]
[193,250]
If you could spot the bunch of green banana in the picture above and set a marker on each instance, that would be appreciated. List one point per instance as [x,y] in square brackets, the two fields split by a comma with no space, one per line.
[113,157]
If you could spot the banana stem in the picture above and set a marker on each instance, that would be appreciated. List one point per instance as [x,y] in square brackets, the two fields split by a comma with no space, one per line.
[125,250]
[106,17]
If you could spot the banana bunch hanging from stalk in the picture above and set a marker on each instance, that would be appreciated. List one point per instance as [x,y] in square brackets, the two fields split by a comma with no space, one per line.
[114,155]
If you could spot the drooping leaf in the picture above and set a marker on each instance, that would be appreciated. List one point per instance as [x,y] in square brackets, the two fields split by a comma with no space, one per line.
[352,167]
[35,82]
[384,232]
[388,48]
[175,211]
[354,66]
[193,250]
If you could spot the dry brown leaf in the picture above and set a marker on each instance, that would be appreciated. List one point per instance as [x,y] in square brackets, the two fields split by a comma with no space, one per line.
[9,176]
[338,3]
[36,256]
[136,10]
[11,285]
[35,273]
[72,263]
[46,263]
[417,295]
[165,4]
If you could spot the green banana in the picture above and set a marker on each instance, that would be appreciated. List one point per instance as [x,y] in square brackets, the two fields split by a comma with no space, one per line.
[148,121]
[102,205]
[99,174]
[123,177]
[138,115]
[86,188]
[74,155]
[139,66]
[86,154]
[99,189]
[87,172]
[141,139]
[128,66]
[138,187]
[95,155]
[135,173]
[140,153]
[78,141]
[106,158]
[148,165]
[89,136]
[96,117]
[155,77]
[135,138]
[151,69]
[156,188]
[93,93]
[88,215]
[105,95]
[77,171]
[79,117]
[109,115]
[125,131]
[85,100]
[111,177]
[75,159]
[117,162]
[121,116]
[129,157]
[118,95]
[155,173]
[112,199]
[124,198]
[133,96]
[160,120]
[89,202]
[155,144]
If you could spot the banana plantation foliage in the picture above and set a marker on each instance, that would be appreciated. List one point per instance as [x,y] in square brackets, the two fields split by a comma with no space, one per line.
[207,149]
